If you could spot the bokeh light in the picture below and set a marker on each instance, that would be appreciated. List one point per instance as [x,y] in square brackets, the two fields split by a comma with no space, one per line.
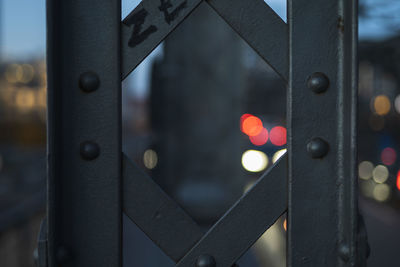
[25,99]
[150,159]
[381,105]
[27,73]
[381,192]
[12,73]
[278,154]
[367,187]
[16,73]
[254,161]
[397,103]
[398,180]
[250,125]
[388,156]
[278,136]
[380,174]
[260,139]
[242,118]
[285,225]
[365,169]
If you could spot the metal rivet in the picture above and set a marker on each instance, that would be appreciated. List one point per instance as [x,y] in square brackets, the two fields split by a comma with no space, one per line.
[89,150]
[318,82]
[317,148]
[89,82]
[206,261]
[344,252]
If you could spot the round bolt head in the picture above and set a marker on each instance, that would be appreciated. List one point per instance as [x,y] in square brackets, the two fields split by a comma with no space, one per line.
[318,82]
[89,82]
[206,261]
[89,150]
[317,148]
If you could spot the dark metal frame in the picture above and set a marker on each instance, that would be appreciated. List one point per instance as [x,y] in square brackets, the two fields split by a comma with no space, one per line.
[90,51]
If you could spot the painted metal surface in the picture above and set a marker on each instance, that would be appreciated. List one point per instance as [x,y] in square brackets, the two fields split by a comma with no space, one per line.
[84,133]
[315,52]
[322,211]
[245,222]
[147,25]
[260,27]
[157,214]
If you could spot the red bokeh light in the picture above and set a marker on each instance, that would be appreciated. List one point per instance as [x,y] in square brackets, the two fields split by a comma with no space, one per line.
[260,139]
[277,136]
[388,156]
[398,180]
[244,116]
[250,125]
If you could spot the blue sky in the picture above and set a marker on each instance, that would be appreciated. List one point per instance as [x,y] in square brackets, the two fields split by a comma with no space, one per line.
[23,31]
[23,25]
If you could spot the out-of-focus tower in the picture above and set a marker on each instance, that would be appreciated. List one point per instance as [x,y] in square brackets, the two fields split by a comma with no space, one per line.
[196,106]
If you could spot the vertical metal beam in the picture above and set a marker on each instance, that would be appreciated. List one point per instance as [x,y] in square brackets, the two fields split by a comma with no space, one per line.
[84,145]
[322,211]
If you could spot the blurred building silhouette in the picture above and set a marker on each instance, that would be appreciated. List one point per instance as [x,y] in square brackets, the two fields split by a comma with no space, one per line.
[196,101]
[22,159]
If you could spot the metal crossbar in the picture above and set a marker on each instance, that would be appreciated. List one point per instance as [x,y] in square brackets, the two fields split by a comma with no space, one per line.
[245,222]
[90,184]
[249,19]
[156,214]
[175,232]
[146,26]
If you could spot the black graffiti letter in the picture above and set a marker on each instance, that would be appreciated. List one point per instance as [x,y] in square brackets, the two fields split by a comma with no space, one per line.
[170,17]
[137,20]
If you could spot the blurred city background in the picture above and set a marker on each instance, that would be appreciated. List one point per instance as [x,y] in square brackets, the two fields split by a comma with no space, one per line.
[204,116]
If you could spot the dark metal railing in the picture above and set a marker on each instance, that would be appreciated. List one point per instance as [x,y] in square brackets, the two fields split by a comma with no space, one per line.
[90,183]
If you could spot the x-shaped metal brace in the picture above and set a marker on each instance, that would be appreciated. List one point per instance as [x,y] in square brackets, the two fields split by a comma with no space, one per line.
[315,53]
[146,27]
[143,201]
[182,239]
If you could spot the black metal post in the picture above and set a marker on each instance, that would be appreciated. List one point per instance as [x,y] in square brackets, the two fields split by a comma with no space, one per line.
[84,139]
[322,206]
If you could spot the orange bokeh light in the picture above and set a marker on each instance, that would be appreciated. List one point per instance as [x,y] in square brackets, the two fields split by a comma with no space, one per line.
[388,156]
[398,180]
[250,125]
[260,139]
[244,116]
[277,136]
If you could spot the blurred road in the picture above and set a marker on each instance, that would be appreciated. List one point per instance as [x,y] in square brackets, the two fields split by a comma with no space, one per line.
[383,227]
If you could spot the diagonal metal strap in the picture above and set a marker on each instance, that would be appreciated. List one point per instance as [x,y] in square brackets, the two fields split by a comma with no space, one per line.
[176,233]
[147,25]
[152,20]
[158,216]
[246,221]
[260,27]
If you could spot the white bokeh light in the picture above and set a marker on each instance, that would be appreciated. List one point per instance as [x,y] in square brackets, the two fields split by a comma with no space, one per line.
[254,161]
